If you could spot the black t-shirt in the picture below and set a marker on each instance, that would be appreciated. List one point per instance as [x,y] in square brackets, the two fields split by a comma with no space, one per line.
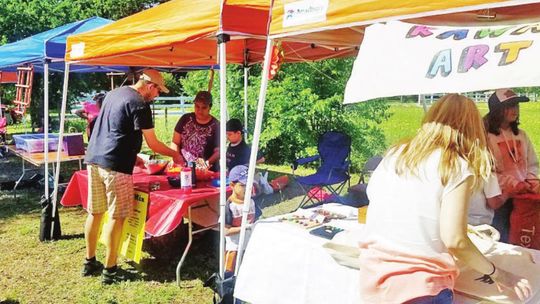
[239,155]
[198,140]
[117,134]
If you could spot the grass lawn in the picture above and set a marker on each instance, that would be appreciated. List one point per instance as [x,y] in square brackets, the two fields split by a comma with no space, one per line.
[35,272]
[406,119]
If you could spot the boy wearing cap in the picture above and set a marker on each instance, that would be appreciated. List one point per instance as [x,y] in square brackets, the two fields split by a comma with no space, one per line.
[233,214]
[124,119]
[238,152]
[516,163]
[196,135]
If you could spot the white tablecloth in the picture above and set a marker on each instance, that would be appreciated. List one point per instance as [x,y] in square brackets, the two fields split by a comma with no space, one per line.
[285,264]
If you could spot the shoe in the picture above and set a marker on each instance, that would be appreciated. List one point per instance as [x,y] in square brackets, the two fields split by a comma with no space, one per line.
[112,275]
[91,267]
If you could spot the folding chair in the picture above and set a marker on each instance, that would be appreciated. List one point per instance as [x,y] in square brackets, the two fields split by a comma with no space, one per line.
[333,173]
[360,190]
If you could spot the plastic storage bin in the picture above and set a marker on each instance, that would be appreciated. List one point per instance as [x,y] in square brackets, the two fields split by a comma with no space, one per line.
[73,144]
[35,142]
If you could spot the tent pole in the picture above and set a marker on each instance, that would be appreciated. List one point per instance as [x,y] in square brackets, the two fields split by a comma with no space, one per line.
[46,124]
[246,75]
[222,40]
[60,138]
[254,149]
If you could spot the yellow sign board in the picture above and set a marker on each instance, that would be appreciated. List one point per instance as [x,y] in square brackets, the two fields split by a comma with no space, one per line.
[133,231]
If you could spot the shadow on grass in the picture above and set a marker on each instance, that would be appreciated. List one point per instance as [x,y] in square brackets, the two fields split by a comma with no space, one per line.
[291,191]
[201,260]
[9,301]
[72,236]
[27,201]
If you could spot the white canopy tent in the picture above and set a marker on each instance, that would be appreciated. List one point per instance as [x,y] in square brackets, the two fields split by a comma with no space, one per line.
[340,24]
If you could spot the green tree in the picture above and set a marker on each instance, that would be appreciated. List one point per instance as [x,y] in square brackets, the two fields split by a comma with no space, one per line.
[22,18]
[303,101]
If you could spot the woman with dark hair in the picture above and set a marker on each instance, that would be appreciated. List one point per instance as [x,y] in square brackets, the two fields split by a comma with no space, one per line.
[516,163]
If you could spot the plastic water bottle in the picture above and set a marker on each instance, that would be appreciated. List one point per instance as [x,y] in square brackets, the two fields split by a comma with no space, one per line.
[185,180]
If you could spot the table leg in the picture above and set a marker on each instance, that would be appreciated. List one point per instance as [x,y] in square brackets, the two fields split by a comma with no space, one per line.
[19,180]
[191,233]
[190,240]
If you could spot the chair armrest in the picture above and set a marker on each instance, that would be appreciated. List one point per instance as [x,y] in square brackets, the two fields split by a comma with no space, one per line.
[303,161]
[344,168]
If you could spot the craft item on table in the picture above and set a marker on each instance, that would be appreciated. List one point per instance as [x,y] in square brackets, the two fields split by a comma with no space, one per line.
[362,214]
[326,231]
[344,255]
[343,210]
[517,260]
[205,174]
[216,182]
[174,181]
[173,170]
[155,166]
[302,221]
[329,215]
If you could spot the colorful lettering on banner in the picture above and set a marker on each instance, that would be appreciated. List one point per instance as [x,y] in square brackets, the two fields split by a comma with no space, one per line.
[473,56]
[511,51]
[133,230]
[442,61]
[423,59]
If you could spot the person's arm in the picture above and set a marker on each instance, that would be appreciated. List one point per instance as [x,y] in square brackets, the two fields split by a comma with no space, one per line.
[176,145]
[159,147]
[496,202]
[453,231]
[232,230]
[81,113]
[214,157]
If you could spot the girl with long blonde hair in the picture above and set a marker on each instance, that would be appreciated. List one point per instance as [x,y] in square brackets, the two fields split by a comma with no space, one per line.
[417,219]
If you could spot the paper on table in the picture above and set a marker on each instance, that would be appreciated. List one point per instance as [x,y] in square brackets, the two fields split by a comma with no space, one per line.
[515,259]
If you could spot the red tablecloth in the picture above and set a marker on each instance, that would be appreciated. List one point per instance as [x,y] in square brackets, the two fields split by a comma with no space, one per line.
[167,205]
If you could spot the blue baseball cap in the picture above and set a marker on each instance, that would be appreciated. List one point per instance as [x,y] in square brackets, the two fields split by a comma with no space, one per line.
[239,174]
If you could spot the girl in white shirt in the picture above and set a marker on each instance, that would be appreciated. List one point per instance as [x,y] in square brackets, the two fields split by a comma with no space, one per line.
[417,219]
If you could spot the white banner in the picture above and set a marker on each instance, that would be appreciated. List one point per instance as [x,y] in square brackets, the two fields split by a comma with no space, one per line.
[406,59]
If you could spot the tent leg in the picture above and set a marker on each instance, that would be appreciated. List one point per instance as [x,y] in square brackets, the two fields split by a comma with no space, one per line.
[254,149]
[222,146]
[60,141]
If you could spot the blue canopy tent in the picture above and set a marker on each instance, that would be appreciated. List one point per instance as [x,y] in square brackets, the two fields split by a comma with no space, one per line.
[46,51]
[49,47]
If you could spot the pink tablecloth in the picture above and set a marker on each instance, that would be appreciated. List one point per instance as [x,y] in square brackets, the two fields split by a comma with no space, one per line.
[167,205]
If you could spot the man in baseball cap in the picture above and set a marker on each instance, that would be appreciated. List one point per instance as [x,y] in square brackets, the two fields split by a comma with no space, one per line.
[504,97]
[155,77]
[125,119]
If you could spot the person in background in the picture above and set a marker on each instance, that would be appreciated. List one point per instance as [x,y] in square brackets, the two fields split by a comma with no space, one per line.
[238,151]
[233,214]
[196,135]
[90,111]
[516,163]
[112,151]
[417,218]
[485,200]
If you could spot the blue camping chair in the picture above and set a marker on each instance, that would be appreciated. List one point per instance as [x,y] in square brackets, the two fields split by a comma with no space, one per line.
[333,173]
